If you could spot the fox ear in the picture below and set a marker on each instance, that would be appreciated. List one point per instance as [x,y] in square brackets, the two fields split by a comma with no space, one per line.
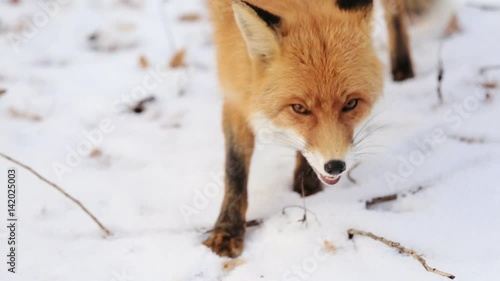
[355,5]
[259,29]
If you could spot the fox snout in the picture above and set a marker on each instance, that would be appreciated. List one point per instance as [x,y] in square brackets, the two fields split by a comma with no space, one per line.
[328,171]
[335,167]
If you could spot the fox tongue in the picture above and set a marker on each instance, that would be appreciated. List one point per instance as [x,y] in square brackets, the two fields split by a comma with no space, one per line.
[330,180]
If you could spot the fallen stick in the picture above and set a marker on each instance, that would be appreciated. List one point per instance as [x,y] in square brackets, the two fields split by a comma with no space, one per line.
[140,106]
[468,140]
[401,249]
[304,217]
[380,200]
[485,69]
[349,173]
[484,7]
[391,197]
[101,226]
[440,76]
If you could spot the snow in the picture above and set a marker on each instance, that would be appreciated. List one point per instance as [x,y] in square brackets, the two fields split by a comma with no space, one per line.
[170,158]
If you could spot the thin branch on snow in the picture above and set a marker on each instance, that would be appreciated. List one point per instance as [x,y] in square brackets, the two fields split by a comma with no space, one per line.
[485,69]
[391,197]
[471,140]
[401,249]
[349,173]
[440,74]
[304,218]
[140,106]
[380,200]
[253,223]
[467,140]
[101,226]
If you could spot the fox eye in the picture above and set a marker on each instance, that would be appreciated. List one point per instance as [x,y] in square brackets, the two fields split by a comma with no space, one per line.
[350,105]
[300,109]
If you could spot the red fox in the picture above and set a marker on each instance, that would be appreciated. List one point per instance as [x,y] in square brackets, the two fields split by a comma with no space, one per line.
[305,69]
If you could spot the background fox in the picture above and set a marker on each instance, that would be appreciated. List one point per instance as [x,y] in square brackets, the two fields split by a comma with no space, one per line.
[307,71]
[397,14]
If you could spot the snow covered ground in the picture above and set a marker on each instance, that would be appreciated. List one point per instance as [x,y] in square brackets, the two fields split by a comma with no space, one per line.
[71,73]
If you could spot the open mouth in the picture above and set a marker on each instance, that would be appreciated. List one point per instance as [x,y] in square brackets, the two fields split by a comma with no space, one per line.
[329,180]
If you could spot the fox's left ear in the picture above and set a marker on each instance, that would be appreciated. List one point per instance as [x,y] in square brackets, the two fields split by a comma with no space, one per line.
[259,29]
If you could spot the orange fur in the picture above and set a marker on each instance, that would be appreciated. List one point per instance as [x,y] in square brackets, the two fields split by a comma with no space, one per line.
[325,59]
[273,56]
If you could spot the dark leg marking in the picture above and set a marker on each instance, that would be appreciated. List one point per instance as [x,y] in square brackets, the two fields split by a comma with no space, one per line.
[402,66]
[227,239]
[305,179]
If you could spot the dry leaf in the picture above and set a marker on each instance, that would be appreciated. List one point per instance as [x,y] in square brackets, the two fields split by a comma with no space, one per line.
[490,85]
[178,59]
[96,152]
[192,17]
[232,264]
[143,62]
[329,247]
[23,115]
[2,91]
[125,26]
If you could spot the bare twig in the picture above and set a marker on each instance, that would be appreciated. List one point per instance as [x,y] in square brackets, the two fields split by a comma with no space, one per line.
[253,223]
[391,197]
[401,249]
[303,208]
[472,140]
[380,200]
[304,217]
[488,85]
[101,226]
[140,106]
[440,74]
[416,190]
[349,173]
[467,140]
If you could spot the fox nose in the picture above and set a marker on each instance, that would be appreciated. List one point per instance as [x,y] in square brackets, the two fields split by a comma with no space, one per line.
[335,167]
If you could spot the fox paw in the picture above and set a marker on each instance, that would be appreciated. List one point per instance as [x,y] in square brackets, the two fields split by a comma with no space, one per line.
[225,244]
[403,70]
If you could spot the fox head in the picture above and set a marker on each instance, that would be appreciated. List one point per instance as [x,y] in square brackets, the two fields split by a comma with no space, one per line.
[315,74]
